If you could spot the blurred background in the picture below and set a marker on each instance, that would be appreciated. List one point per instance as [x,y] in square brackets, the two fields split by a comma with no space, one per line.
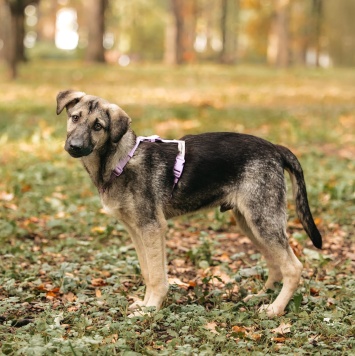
[317,33]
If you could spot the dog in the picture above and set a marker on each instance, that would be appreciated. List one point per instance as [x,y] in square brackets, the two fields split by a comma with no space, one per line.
[233,171]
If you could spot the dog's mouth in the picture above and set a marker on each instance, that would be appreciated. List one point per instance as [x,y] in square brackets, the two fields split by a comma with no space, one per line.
[77,152]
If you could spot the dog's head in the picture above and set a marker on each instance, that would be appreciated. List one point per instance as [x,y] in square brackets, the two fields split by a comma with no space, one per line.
[93,123]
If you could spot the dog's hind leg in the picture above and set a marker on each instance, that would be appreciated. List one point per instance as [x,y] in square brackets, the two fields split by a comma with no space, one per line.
[271,240]
[291,269]
[261,204]
[275,274]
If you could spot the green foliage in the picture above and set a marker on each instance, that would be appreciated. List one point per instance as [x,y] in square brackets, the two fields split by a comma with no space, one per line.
[68,271]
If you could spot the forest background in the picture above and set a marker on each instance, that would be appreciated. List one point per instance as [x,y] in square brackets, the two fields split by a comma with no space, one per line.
[277,32]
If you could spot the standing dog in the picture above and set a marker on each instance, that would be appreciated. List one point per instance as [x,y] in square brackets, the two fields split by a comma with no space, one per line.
[237,172]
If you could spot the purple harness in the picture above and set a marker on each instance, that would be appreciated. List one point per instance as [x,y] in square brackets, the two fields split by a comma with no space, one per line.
[179,161]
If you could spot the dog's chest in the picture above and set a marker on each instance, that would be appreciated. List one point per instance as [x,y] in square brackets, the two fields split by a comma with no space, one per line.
[107,209]
[119,208]
[111,207]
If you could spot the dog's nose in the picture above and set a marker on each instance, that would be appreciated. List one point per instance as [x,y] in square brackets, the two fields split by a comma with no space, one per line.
[76,145]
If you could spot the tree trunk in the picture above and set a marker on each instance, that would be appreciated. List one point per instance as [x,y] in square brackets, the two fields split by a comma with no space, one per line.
[20,36]
[185,22]
[278,45]
[13,58]
[170,39]
[4,29]
[12,39]
[95,51]
[15,33]
[317,16]
[229,22]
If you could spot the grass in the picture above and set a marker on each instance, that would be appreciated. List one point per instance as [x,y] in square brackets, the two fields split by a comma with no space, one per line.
[68,271]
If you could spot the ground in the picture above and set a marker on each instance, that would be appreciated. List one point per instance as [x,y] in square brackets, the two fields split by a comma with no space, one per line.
[68,271]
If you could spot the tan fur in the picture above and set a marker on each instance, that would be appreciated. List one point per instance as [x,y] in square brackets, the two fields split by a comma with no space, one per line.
[141,198]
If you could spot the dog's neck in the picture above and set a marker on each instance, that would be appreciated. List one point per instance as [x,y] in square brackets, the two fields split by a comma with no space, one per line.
[100,164]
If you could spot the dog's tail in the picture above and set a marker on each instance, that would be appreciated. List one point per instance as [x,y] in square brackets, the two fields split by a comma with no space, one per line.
[293,167]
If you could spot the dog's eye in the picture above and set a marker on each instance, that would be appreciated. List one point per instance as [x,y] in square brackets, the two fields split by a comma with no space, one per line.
[75,118]
[97,127]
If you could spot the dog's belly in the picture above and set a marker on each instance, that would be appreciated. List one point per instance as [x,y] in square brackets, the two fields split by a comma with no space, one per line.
[199,202]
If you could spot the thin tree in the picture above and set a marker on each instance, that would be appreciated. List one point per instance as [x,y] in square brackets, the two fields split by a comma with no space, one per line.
[317,14]
[95,9]
[170,36]
[185,12]
[229,23]
[278,44]
[15,33]
[4,28]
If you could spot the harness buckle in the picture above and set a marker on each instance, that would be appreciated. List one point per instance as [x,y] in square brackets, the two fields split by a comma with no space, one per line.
[117,171]
[179,166]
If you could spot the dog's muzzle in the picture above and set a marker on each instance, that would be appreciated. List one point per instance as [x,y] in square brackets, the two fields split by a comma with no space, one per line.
[76,148]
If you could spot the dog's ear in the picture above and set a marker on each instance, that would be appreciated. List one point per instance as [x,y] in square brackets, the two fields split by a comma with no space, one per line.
[119,122]
[66,98]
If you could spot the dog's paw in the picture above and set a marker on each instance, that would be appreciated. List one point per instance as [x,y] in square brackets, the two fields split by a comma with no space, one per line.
[271,310]
[136,305]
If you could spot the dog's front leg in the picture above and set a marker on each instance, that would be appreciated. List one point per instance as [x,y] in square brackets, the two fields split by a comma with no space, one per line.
[149,241]
[137,240]
[153,237]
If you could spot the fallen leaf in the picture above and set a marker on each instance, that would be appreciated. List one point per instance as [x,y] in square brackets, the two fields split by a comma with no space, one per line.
[51,295]
[6,196]
[239,329]
[278,339]
[282,329]
[73,309]
[318,221]
[314,291]
[192,284]
[178,282]
[70,297]
[98,293]
[212,327]
[224,257]
[255,337]
[296,247]
[26,188]
[178,262]
[331,301]
[10,206]
[106,274]
[98,282]
[98,229]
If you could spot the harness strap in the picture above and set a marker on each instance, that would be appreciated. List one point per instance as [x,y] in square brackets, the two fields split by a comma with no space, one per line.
[179,161]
